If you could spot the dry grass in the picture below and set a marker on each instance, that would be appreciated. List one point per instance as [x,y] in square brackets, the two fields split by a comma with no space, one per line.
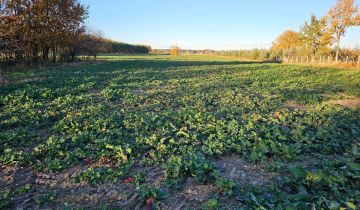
[350,102]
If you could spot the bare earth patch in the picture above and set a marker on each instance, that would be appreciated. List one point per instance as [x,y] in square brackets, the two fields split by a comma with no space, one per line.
[191,195]
[8,82]
[243,172]
[350,102]
[232,167]
[65,189]
[293,105]
[121,194]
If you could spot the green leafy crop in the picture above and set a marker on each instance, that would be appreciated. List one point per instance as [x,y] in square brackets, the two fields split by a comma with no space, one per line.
[184,113]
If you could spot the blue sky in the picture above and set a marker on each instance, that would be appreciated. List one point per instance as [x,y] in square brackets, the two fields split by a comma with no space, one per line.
[206,24]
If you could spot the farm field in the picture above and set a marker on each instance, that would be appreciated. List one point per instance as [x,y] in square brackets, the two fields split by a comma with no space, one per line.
[178,132]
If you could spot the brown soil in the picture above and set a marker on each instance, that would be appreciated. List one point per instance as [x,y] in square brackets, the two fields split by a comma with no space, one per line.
[350,102]
[121,194]
[243,172]
[293,105]
[8,82]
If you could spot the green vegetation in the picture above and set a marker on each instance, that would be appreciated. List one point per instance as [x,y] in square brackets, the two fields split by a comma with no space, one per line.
[182,113]
[119,47]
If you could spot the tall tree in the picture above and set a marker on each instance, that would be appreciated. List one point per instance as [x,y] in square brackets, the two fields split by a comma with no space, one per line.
[342,16]
[287,42]
[13,30]
[34,28]
[315,36]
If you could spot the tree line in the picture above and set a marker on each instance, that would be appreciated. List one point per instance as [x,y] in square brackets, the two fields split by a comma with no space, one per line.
[252,54]
[120,47]
[176,50]
[36,31]
[345,54]
[92,43]
[320,36]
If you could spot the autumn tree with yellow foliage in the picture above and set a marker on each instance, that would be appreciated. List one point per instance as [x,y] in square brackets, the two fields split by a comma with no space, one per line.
[287,43]
[342,16]
[175,50]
